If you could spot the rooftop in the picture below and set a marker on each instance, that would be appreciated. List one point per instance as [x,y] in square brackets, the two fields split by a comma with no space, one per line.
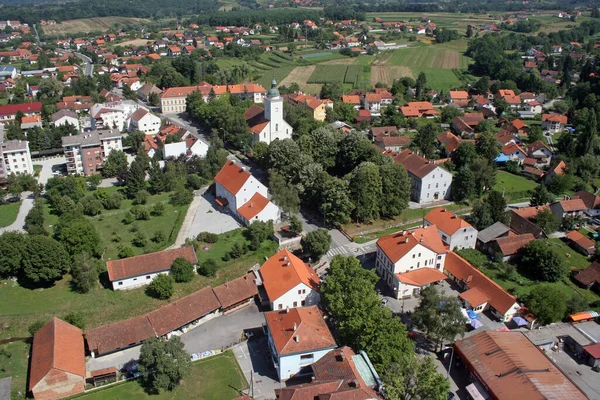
[253,207]
[397,245]
[14,145]
[492,232]
[446,221]
[510,245]
[148,263]
[235,291]
[232,177]
[284,271]
[414,163]
[422,276]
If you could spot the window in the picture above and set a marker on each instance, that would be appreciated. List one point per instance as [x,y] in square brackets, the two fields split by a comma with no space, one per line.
[147,276]
[306,357]
[437,185]
[135,279]
[299,291]
[419,254]
[439,257]
[303,303]
[429,186]
[414,255]
[280,306]
[276,127]
[120,283]
[303,291]
[295,304]
[418,264]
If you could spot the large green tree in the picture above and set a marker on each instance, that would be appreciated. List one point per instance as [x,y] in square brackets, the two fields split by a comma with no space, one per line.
[540,196]
[425,140]
[395,190]
[546,220]
[78,235]
[163,364]
[316,243]
[416,380]
[45,260]
[542,262]
[548,304]
[285,195]
[12,249]
[115,165]
[366,191]
[336,206]
[84,272]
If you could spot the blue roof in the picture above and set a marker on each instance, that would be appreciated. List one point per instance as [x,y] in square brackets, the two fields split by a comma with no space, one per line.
[7,69]
[501,158]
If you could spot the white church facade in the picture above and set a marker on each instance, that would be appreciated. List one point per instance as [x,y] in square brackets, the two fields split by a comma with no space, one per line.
[267,124]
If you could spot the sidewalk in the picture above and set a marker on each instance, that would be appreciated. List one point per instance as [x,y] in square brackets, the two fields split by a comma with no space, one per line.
[26,206]
[189,219]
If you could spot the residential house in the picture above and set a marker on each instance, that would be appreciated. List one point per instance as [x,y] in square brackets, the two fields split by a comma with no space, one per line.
[558,169]
[147,89]
[86,153]
[392,143]
[480,293]
[514,152]
[267,124]
[244,195]
[64,117]
[522,221]
[341,373]
[418,109]
[554,122]
[297,338]
[289,282]
[409,261]
[507,365]
[513,100]
[454,231]
[534,107]
[57,361]
[509,247]
[459,98]
[386,96]
[465,124]
[144,121]
[581,243]
[372,102]
[133,272]
[505,137]
[591,201]
[316,106]
[352,99]
[8,112]
[236,294]
[589,277]
[564,208]
[248,91]
[489,234]
[540,152]
[450,142]
[15,158]
[428,181]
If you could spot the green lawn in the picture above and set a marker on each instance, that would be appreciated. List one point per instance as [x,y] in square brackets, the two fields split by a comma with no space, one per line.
[8,213]
[509,183]
[21,306]
[573,258]
[215,378]
[278,74]
[15,365]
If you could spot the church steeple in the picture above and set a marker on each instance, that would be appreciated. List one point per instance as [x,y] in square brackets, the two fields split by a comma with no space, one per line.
[273,92]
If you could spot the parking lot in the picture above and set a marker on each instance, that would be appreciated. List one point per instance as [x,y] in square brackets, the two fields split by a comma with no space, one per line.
[253,358]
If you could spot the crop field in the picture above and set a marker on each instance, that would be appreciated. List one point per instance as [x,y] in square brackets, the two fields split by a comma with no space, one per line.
[444,20]
[433,56]
[89,24]
[328,74]
[387,74]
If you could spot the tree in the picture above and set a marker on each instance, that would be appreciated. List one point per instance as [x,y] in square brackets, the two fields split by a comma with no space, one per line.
[84,272]
[463,185]
[12,249]
[540,196]
[497,204]
[316,243]
[182,270]
[181,196]
[332,91]
[208,268]
[258,232]
[417,379]
[343,112]
[546,220]
[78,235]
[49,89]
[295,227]
[469,33]
[439,316]
[153,99]
[115,165]
[449,112]
[535,134]
[136,178]
[420,87]
[464,155]
[161,287]
[548,303]
[366,191]
[34,221]
[487,146]
[34,327]
[542,262]
[425,140]
[45,260]
[481,215]
[125,252]
[76,319]
[395,190]
[163,363]
[336,206]
[284,194]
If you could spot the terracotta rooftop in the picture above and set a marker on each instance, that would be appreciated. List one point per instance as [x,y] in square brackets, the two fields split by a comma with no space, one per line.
[572,205]
[235,291]
[531,212]
[148,263]
[446,221]
[589,275]
[56,345]
[351,99]
[310,334]
[414,163]
[582,241]
[253,207]
[590,200]
[555,118]
[107,338]
[232,177]
[397,245]
[284,271]
[422,276]
[512,244]
[511,367]
[475,296]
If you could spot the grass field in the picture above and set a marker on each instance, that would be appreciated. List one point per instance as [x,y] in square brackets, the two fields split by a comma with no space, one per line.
[85,25]
[8,213]
[509,183]
[15,366]
[215,378]
[21,306]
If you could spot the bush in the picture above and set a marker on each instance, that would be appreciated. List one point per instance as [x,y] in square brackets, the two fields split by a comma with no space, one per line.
[316,243]
[128,218]
[181,196]
[207,237]
[141,197]
[182,270]
[33,328]
[238,250]
[541,262]
[140,239]
[126,252]
[162,287]
[194,182]
[113,201]
[75,318]
[208,268]
[295,225]
[258,232]
[158,209]
[158,237]
[140,212]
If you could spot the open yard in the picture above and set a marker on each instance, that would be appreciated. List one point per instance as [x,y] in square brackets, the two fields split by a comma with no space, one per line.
[15,365]
[21,306]
[8,213]
[514,186]
[215,378]
[85,25]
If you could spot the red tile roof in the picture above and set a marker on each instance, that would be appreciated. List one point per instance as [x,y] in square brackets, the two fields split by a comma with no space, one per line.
[311,331]
[414,163]
[589,275]
[284,271]
[422,276]
[511,367]
[418,109]
[232,177]
[26,108]
[107,338]
[397,245]
[517,123]
[148,263]
[253,207]
[572,205]
[582,241]
[458,95]
[590,200]
[450,141]
[351,99]
[56,345]
[512,244]
[511,148]
[236,291]
[530,212]
[463,271]
[139,114]
[255,118]
[533,171]
[446,221]
[475,297]
[555,118]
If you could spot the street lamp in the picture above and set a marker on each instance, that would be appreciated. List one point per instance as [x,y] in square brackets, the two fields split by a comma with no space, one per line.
[450,365]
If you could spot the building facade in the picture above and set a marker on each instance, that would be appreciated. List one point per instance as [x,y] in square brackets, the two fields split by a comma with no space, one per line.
[86,153]
[454,231]
[15,158]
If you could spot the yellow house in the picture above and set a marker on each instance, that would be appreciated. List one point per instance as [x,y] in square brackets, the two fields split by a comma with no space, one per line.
[318,107]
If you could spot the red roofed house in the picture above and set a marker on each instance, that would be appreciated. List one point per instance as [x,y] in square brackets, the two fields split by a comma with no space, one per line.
[458,97]
[581,243]
[563,208]
[514,152]
[57,361]
[8,112]
[289,282]
[144,121]
[465,124]
[454,231]
[554,122]
[297,338]
[244,195]
[428,181]
[133,272]
[558,169]
[508,247]
[353,99]
[411,260]
[372,102]
[417,109]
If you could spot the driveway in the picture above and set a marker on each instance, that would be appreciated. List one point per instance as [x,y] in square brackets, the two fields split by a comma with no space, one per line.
[26,206]
[253,358]
[47,164]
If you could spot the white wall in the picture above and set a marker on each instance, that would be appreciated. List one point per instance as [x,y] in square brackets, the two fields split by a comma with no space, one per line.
[200,148]
[67,120]
[250,187]
[174,149]
[437,181]
[290,365]
[270,212]
[310,296]
[220,191]
[464,238]
[136,281]
[109,145]
[149,124]
[19,162]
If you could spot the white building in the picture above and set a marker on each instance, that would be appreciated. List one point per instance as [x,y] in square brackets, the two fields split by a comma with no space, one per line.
[15,158]
[244,195]
[144,121]
[113,115]
[64,117]
[133,272]
[86,153]
[297,338]
[428,181]
[289,282]
[372,102]
[267,124]
[411,260]
[454,231]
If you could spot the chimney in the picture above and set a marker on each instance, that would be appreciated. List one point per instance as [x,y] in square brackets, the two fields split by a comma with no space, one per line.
[297,338]
[295,327]
[285,258]
[287,309]
[406,239]
[287,264]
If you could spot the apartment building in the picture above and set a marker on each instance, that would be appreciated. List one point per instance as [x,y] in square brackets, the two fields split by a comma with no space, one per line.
[86,153]
[15,158]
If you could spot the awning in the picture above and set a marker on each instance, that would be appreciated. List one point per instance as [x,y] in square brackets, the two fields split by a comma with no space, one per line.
[476,324]
[583,315]
[520,321]
[222,201]
[472,314]
[466,315]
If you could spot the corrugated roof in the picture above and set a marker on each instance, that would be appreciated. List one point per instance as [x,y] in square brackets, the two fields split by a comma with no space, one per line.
[492,232]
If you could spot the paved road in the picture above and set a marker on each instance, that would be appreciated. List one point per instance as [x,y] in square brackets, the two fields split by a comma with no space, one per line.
[260,375]
[89,65]
[47,164]
[26,205]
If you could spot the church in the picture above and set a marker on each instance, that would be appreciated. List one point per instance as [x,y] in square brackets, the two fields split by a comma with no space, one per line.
[267,124]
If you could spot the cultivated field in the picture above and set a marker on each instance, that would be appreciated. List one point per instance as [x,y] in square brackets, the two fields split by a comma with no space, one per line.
[89,24]
[387,74]
[300,75]
[444,20]
[134,42]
